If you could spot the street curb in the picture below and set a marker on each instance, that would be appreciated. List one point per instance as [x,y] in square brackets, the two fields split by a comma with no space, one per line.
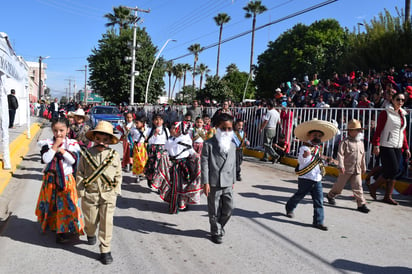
[18,149]
[400,186]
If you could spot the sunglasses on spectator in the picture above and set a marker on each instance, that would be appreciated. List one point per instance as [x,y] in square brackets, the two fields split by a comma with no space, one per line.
[400,99]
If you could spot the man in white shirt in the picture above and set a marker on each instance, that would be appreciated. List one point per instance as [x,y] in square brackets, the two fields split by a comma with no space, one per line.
[269,124]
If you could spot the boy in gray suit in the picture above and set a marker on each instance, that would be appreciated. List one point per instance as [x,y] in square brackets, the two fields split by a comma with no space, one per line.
[218,164]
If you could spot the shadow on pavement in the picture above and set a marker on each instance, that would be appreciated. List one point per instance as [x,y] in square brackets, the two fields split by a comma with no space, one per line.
[28,176]
[149,226]
[277,188]
[23,230]
[142,205]
[271,198]
[33,157]
[367,268]
[269,216]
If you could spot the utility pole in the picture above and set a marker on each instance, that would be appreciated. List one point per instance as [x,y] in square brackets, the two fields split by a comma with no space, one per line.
[40,81]
[70,84]
[136,19]
[85,83]
[74,90]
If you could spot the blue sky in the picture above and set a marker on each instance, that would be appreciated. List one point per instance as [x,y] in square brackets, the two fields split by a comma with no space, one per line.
[67,30]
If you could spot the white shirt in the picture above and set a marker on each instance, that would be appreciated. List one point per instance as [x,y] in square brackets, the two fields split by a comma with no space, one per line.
[134,132]
[273,117]
[159,139]
[68,160]
[174,148]
[315,174]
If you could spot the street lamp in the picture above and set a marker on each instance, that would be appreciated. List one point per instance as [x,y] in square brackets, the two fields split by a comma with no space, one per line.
[359,24]
[40,82]
[85,83]
[154,63]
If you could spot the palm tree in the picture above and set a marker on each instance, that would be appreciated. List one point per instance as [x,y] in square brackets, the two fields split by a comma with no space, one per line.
[169,71]
[195,49]
[120,17]
[220,19]
[252,9]
[202,69]
[185,68]
[407,11]
[178,73]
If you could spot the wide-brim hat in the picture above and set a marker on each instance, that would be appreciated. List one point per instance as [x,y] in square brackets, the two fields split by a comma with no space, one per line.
[79,112]
[103,127]
[354,124]
[70,114]
[327,128]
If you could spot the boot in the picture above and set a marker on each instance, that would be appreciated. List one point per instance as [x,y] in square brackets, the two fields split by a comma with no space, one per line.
[388,193]
[373,187]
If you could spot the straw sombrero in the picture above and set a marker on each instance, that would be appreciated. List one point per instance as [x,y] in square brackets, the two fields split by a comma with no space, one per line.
[354,124]
[329,130]
[103,127]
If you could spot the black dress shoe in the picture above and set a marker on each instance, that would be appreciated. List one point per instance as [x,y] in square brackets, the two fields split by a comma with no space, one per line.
[320,226]
[91,240]
[106,258]
[149,183]
[238,178]
[363,209]
[331,201]
[263,160]
[217,239]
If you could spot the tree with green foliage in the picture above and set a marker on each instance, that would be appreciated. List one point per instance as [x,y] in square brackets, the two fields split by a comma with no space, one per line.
[178,74]
[110,73]
[169,71]
[121,17]
[186,95]
[303,50]
[220,20]
[186,67]
[195,49]
[202,70]
[236,80]
[386,42]
[216,89]
[253,8]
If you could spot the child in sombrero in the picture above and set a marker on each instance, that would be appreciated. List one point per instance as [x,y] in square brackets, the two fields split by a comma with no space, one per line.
[99,177]
[310,169]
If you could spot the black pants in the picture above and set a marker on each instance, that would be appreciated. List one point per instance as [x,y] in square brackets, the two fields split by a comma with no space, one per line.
[12,115]
[390,159]
[239,160]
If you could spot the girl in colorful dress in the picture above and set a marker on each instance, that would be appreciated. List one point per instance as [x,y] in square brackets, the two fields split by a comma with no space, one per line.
[184,187]
[126,139]
[157,167]
[139,147]
[57,206]
[198,135]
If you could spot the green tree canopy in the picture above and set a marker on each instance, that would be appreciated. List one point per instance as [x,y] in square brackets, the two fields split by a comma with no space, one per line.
[303,50]
[236,80]
[110,72]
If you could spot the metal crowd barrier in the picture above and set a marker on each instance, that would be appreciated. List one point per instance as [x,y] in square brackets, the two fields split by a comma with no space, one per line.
[290,118]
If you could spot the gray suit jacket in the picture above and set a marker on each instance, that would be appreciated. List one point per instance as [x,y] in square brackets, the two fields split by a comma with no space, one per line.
[218,169]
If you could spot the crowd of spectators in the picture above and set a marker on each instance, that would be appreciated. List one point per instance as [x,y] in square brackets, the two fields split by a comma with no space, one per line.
[353,90]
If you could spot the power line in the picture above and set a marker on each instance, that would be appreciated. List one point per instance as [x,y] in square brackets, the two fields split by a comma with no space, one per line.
[263,26]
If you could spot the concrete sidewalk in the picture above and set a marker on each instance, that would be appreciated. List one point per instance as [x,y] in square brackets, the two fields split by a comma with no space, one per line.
[19,146]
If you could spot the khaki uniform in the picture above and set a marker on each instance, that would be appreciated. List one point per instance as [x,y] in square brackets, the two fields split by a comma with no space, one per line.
[351,157]
[99,199]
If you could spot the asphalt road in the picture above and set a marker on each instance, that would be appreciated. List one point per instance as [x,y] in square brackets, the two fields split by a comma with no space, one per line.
[259,237]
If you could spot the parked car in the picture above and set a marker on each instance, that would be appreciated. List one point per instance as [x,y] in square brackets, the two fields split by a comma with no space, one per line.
[105,113]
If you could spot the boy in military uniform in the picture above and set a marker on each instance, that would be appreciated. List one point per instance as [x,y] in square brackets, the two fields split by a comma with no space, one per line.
[351,157]
[240,140]
[99,177]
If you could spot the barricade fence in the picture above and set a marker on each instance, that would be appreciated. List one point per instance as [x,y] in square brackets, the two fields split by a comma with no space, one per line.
[289,119]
